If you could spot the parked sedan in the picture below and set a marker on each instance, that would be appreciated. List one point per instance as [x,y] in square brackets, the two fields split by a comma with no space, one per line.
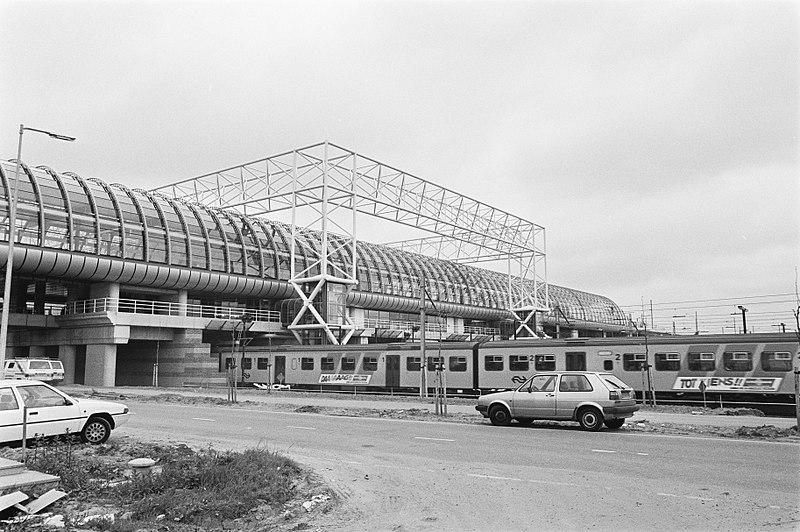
[47,411]
[590,398]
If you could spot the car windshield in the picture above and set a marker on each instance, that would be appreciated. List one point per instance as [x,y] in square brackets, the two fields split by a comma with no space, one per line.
[613,383]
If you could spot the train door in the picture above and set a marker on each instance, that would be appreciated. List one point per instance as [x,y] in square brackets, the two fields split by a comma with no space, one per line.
[280,369]
[392,371]
[576,361]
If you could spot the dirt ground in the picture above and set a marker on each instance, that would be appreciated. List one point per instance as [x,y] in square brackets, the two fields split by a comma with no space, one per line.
[333,496]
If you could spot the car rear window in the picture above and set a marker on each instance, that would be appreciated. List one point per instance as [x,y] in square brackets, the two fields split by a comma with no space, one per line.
[612,382]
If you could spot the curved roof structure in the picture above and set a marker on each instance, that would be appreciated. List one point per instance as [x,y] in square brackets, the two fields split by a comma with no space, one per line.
[71,227]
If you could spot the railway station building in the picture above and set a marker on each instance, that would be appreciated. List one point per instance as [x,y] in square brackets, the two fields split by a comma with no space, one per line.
[115,281]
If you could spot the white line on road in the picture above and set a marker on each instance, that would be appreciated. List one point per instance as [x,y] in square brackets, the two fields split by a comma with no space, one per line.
[202,419]
[603,451]
[492,477]
[643,454]
[549,482]
[301,428]
[432,439]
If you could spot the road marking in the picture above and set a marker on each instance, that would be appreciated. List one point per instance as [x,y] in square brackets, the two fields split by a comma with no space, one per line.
[693,497]
[603,451]
[643,454]
[202,419]
[492,477]
[300,428]
[432,439]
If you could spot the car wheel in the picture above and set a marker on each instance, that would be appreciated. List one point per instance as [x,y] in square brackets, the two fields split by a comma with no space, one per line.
[525,421]
[97,430]
[590,419]
[614,423]
[499,415]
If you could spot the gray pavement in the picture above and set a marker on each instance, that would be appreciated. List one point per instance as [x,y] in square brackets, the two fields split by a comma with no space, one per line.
[455,405]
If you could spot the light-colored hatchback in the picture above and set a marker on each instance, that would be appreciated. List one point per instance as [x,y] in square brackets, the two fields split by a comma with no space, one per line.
[34,408]
[590,398]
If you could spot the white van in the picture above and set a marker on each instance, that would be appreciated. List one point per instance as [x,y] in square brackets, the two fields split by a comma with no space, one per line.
[40,369]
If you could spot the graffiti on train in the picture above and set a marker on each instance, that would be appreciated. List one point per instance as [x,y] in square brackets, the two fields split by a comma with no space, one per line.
[727,384]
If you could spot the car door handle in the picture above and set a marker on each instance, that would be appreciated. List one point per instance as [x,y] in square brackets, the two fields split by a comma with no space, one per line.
[32,413]
[550,395]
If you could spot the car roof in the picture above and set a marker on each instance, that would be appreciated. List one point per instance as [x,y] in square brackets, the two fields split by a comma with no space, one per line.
[18,382]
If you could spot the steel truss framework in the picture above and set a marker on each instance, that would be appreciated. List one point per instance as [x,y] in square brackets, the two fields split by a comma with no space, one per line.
[336,185]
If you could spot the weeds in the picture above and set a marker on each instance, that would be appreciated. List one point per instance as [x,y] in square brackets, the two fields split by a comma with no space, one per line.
[191,487]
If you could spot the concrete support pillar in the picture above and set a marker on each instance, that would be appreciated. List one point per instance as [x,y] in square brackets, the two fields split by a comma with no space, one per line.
[187,359]
[66,354]
[104,290]
[181,298]
[39,293]
[101,365]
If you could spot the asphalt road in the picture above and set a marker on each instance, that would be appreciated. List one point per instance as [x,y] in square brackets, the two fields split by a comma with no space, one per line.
[403,475]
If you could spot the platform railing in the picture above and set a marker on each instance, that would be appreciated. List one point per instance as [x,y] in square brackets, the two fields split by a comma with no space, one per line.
[166,308]
[410,326]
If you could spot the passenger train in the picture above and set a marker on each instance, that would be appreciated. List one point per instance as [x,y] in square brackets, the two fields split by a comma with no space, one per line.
[726,370]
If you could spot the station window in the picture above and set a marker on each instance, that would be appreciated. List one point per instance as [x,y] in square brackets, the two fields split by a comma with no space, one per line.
[458,363]
[413,363]
[434,361]
[370,363]
[518,363]
[327,364]
[262,363]
[348,363]
[737,361]
[633,361]
[544,362]
[247,363]
[307,363]
[668,362]
[779,361]
[702,361]
[493,363]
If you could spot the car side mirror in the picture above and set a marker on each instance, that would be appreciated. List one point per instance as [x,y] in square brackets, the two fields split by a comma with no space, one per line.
[67,402]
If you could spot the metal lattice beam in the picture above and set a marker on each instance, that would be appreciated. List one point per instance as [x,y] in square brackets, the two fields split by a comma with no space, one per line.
[325,178]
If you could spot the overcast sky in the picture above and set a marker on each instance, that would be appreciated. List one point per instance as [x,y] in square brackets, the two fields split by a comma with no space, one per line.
[655,141]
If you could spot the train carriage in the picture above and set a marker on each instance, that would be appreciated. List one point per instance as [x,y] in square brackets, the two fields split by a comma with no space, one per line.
[722,369]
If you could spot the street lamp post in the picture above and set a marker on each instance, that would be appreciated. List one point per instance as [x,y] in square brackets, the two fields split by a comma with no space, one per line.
[744,319]
[12,230]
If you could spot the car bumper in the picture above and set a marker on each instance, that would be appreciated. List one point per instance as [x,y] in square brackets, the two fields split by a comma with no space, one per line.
[483,409]
[620,411]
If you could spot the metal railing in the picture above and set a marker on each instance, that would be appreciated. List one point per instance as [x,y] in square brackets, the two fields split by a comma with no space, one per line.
[165,308]
[410,326]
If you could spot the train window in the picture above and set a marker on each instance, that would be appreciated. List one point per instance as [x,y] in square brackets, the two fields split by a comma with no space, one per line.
[493,362]
[781,361]
[247,363]
[348,363]
[262,363]
[701,362]
[668,362]
[633,361]
[544,362]
[413,363]
[370,363]
[458,363]
[518,363]
[608,365]
[433,361]
[307,363]
[228,363]
[738,361]
[327,364]
[576,361]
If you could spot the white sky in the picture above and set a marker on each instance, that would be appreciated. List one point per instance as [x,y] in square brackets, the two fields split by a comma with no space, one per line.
[655,141]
